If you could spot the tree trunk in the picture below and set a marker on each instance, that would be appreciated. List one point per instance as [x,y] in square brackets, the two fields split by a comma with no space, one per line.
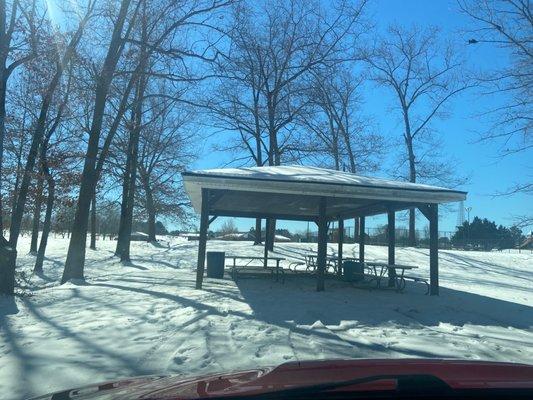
[36,215]
[9,263]
[351,156]
[3,82]
[16,218]
[412,227]
[17,173]
[151,226]
[273,158]
[93,223]
[128,216]
[150,209]
[75,262]
[125,190]
[412,177]
[47,224]
[259,160]
[132,158]
[132,161]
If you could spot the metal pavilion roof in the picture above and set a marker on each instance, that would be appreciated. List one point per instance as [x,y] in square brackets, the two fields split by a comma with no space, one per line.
[293,192]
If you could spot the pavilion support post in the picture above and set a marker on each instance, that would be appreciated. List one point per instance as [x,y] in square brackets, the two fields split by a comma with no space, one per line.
[391,235]
[355,229]
[322,244]
[433,249]
[339,250]
[271,233]
[361,239]
[267,240]
[204,223]
[257,238]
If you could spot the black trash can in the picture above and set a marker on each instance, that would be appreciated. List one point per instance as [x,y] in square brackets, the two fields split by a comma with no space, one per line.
[215,264]
[353,271]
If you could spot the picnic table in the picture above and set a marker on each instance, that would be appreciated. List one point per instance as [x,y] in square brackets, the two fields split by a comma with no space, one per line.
[251,266]
[331,261]
[378,272]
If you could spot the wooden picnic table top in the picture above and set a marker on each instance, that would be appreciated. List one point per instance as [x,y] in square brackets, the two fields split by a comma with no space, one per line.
[331,256]
[395,266]
[254,258]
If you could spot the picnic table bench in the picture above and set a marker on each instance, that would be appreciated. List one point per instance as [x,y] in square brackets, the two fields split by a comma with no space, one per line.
[254,266]
[379,269]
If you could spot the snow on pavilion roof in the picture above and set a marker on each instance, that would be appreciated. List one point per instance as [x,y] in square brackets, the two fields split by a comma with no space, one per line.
[295,190]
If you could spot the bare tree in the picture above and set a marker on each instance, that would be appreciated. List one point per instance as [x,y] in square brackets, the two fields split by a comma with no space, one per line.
[60,161]
[62,61]
[236,104]
[17,46]
[283,41]
[166,148]
[130,174]
[336,120]
[167,44]
[153,41]
[76,252]
[423,74]
[298,37]
[508,25]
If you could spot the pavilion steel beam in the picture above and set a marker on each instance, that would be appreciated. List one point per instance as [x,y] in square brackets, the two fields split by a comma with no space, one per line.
[361,239]
[322,244]
[340,243]
[431,212]
[263,215]
[391,235]
[379,207]
[215,195]
[204,223]
[424,209]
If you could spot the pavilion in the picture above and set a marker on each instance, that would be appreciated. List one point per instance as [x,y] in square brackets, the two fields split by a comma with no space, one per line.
[302,193]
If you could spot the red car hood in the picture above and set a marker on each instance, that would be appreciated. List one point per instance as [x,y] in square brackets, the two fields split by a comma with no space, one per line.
[457,374]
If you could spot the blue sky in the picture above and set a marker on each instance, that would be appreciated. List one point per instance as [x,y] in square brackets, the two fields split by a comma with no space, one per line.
[487,173]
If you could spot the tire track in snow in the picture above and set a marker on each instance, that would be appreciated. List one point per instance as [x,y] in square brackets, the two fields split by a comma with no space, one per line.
[166,343]
[486,346]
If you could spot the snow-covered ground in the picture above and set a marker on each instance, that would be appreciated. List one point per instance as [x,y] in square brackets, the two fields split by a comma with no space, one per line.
[147,317]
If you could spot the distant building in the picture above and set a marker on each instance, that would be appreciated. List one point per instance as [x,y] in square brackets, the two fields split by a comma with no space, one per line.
[236,236]
[189,235]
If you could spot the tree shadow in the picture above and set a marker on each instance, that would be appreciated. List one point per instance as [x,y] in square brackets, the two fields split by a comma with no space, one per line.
[298,301]
[152,259]
[128,364]
[44,277]
[131,264]
[265,315]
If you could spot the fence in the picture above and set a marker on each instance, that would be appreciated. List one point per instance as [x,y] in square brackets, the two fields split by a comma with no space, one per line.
[378,236]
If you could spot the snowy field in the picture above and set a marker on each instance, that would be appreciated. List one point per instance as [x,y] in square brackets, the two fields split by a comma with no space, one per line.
[147,317]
